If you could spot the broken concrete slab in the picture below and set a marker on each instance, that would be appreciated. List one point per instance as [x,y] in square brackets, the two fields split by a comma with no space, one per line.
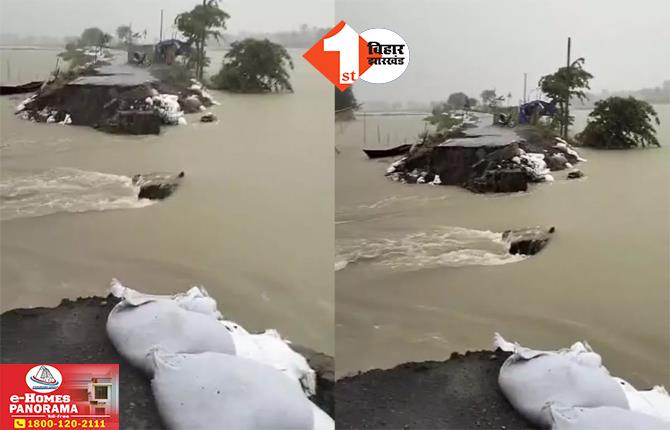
[137,122]
[157,186]
[208,117]
[528,241]
[575,174]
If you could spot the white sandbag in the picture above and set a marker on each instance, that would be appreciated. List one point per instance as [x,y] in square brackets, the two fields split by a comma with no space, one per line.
[655,402]
[212,390]
[130,330]
[602,418]
[531,379]
[270,349]
[136,329]
[196,299]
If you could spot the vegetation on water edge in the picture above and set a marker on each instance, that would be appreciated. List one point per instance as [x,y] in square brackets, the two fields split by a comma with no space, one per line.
[442,121]
[620,123]
[345,99]
[255,66]
[199,24]
[74,50]
[561,86]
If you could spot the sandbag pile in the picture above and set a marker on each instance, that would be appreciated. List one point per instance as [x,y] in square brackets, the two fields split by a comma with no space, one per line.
[199,90]
[226,377]
[570,389]
[167,107]
[223,391]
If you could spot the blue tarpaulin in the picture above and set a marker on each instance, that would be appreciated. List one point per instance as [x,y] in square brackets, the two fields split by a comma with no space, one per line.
[536,107]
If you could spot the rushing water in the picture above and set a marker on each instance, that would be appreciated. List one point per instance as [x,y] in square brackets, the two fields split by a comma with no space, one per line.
[421,271]
[252,220]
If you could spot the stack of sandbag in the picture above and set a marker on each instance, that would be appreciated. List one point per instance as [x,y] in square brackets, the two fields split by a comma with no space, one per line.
[185,333]
[570,389]
[141,322]
[602,418]
[223,391]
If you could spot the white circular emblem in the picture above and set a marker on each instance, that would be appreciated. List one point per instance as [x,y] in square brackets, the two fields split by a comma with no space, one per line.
[43,378]
[394,55]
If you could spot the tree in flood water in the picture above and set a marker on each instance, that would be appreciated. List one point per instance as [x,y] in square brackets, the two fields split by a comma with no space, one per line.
[620,123]
[255,66]
[201,23]
[345,99]
[561,86]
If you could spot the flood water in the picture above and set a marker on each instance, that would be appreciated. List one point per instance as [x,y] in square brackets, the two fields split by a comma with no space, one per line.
[421,271]
[251,222]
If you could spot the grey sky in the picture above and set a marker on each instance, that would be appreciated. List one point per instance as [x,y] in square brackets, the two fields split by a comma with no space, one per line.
[70,17]
[476,44]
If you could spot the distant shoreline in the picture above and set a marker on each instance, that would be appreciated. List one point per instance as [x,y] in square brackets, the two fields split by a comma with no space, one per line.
[31,47]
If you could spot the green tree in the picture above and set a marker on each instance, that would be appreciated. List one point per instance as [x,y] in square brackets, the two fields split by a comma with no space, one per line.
[561,86]
[106,38]
[93,36]
[255,66]
[489,97]
[75,57]
[345,99]
[438,107]
[125,34]
[457,100]
[201,23]
[622,123]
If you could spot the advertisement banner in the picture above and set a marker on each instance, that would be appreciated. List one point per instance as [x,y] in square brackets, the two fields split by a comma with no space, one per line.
[59,396]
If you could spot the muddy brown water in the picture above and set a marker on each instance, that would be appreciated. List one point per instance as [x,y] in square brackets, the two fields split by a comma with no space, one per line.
[421,272]
[252,221]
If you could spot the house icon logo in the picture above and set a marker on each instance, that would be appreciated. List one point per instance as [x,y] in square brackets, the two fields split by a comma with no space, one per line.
[43,378]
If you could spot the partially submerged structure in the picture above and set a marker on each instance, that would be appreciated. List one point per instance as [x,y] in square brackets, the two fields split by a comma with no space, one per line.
[117,98]
[483,159]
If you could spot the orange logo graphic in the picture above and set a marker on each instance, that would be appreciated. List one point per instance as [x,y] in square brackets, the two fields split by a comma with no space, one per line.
[341,56]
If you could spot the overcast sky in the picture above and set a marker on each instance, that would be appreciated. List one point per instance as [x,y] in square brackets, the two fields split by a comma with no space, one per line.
[476,44]
[69,17]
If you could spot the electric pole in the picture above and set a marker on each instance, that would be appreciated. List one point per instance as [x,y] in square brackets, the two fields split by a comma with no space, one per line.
[525,76]
[567,98]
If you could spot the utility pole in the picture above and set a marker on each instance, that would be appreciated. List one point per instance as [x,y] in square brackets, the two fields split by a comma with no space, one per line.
[365,127]
[160,37]
[201,55]
[525,77]
[567,99]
